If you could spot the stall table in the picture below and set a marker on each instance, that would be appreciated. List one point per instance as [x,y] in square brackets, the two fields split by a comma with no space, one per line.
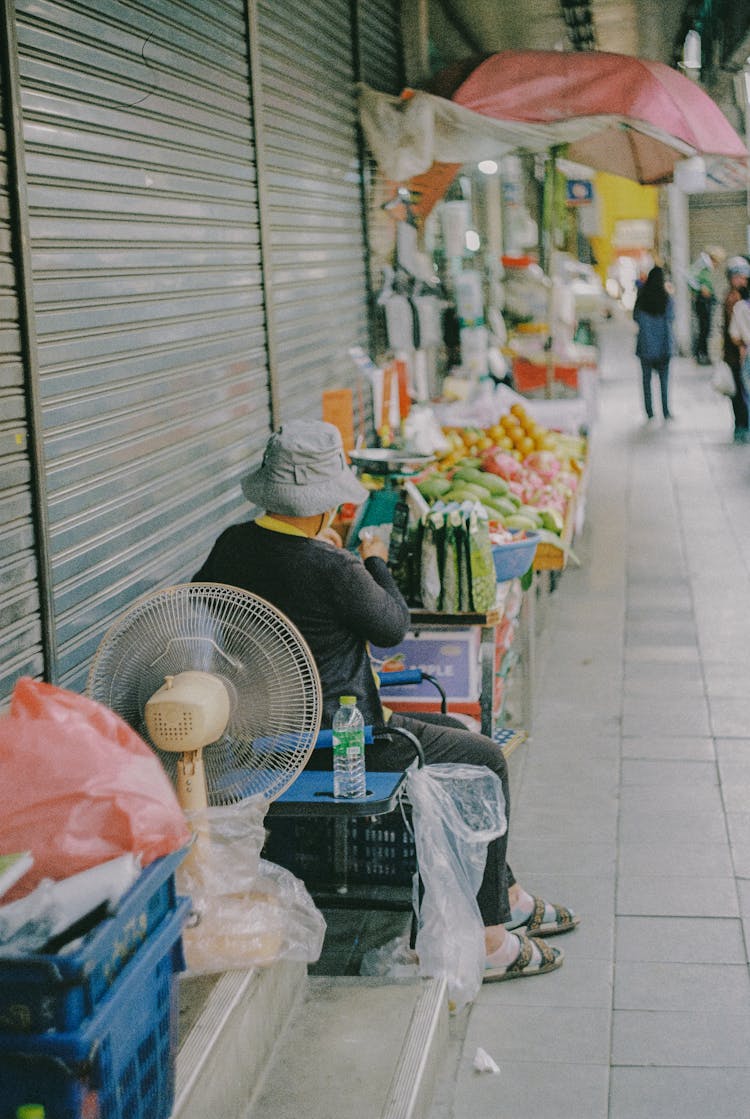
[487,624]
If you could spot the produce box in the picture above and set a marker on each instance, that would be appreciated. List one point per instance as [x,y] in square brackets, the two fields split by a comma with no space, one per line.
[120,1063]
[40,992]
[451,655]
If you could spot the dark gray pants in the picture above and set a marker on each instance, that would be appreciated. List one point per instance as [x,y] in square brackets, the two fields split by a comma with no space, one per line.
[660,366]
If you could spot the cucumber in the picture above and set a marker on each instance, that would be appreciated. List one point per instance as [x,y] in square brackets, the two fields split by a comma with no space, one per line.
[531,512]
[480,492]
[470,474]
[469,461]
[434,487]
[516,520]
[502,505]
[494,483]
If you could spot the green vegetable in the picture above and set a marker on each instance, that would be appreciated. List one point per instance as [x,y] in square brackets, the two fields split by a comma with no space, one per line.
[469,461]
[482,577]
[434,486]
[551,520]
[469,474]
[465,491]
[494,483]
[531,512]
[517,520]
[500,505]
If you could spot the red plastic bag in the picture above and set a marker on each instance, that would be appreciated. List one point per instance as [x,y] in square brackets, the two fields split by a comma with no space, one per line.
[78,786]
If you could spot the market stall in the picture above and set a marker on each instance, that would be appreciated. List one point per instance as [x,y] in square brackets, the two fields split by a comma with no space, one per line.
[474,525]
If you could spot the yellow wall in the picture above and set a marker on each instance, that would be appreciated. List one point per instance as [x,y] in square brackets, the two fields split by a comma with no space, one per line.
[619,199]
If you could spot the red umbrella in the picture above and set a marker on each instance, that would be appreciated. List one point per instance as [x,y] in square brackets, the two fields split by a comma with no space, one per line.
[638,118]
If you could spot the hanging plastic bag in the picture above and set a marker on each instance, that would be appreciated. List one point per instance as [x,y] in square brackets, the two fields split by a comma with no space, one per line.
[431,559]
[722,379]
[457,810]
[453,551]
[481,568]
[246,912]
[79,787]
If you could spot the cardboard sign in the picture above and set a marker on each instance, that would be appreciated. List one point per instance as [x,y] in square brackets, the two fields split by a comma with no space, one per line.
[338,409]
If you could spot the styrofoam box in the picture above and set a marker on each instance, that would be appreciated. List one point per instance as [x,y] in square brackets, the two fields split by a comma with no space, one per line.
[450,655]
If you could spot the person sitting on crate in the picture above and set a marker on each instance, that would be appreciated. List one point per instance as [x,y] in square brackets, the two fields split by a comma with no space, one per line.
[340,602]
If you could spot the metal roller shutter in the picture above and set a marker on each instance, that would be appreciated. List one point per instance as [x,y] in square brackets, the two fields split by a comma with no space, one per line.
[718,218]
[20,624]
[381,63]
[312,209]
[148,291]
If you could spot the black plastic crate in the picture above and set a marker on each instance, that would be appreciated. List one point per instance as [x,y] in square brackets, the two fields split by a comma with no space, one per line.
[364,850]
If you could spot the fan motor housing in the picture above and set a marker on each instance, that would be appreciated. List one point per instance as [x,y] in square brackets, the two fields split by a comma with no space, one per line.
[190,711]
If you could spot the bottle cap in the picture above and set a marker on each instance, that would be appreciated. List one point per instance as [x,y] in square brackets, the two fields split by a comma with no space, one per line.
[30,1111]
[347,700]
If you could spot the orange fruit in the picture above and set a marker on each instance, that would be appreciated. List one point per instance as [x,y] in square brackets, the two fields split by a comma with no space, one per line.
[526,445]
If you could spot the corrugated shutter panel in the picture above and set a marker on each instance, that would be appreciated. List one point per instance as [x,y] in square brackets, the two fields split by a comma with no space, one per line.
[380,45]
[20,628]
[148,294]
[718,218]
[380,66]
[312,175]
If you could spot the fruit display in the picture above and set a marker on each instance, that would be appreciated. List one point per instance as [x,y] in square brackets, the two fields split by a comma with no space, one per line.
[526,476]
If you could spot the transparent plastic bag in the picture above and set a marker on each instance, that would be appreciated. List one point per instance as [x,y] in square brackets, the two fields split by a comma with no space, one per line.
[395,959]
[247,912]
[457,810]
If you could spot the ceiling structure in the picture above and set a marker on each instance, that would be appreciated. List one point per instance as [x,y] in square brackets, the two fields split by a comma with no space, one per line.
[650,29]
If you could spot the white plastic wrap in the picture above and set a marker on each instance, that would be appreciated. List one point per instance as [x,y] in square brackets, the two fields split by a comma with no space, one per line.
[246,912]
[457,811]
[395,960]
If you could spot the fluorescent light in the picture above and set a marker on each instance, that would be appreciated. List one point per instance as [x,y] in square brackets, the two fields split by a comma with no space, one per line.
[487,167]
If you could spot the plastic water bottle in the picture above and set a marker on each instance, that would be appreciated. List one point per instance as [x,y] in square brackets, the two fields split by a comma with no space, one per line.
[349,749]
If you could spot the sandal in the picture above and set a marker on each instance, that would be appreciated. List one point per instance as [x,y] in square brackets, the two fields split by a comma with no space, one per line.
[525,965]
[535,925]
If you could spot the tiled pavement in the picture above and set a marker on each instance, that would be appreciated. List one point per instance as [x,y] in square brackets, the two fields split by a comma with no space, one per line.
[632,801]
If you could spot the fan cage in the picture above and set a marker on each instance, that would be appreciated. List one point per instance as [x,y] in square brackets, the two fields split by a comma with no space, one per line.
[261,657]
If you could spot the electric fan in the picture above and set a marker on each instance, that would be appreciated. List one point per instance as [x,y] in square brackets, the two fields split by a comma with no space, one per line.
[219,683]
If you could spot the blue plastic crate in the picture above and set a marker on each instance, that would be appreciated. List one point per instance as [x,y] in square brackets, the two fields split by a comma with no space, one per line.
[120,1063]
[41,992]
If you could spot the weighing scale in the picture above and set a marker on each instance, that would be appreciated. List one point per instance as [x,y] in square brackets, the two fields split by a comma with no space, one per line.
[392,466]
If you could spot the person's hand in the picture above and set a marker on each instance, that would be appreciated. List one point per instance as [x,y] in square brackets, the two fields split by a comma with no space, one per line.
[372,545]
[330,536]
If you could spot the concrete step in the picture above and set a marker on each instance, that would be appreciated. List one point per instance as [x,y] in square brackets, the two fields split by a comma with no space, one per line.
[369,1048]
[229,1026]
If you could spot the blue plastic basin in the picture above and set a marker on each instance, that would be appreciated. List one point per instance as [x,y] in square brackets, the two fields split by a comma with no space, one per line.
[514,559]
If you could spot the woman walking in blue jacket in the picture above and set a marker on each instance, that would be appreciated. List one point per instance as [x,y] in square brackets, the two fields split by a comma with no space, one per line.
[654,314]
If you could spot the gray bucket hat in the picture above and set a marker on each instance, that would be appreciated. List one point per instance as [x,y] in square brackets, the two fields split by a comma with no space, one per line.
[304,472]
